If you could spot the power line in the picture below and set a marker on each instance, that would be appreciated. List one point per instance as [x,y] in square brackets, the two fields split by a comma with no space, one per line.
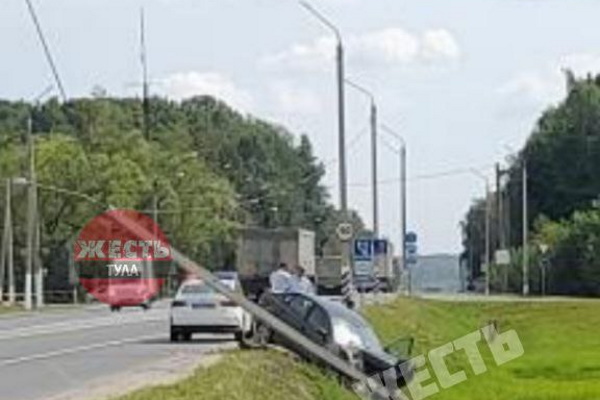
[46,48]
[436,175]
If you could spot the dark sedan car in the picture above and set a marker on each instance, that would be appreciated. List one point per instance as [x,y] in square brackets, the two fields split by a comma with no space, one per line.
[333,326]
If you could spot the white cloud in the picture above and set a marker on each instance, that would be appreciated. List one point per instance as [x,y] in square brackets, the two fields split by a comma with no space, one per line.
[439,45]
[182,85]
[391,46]
[314,56]
[533,88]
[547,85]
[295,99]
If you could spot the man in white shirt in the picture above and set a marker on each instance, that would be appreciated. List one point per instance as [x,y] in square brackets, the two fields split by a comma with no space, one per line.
[282,280]
[301,282]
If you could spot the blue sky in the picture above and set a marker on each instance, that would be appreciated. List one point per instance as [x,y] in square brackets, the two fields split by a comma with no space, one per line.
[463,81]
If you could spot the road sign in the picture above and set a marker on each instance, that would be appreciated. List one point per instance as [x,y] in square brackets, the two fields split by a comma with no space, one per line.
[345,231]
[411,237]
[411,248]
[502,257]
[363,268]
[363,250]
[380,246]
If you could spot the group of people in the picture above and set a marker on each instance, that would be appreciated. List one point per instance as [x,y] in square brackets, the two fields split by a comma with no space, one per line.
[290,280]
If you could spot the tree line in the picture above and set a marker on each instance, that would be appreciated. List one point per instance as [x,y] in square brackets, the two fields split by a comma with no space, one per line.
[206,168]
[562,157]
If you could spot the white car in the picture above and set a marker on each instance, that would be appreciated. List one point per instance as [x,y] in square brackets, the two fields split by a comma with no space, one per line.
[197,308]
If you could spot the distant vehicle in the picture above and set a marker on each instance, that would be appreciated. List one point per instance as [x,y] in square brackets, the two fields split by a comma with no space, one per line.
[333,326]
[385,269]
[260,251]
[131,293]
[366,283]
[198,308]
[329,277]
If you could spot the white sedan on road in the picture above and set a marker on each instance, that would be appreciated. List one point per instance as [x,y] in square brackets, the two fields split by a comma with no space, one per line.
[198,308]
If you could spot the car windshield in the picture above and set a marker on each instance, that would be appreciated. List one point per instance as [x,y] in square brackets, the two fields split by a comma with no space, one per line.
[353,333]
[350,329]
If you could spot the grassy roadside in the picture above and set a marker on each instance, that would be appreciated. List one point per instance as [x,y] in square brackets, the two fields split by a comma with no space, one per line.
[6,310]
[561,342]
[251,375]
[561,360]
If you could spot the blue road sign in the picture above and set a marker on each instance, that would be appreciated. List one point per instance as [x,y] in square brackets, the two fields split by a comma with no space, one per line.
[380,246]
[363,249]
[411,248]
[411,237]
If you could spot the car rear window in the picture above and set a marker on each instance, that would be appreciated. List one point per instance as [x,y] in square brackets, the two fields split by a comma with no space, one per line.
[197,288]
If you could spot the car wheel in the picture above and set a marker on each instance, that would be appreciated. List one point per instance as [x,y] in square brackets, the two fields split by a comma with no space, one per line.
[115,308]
[239,337]
[174,336]
[145,306]
[187,336]
[262,335]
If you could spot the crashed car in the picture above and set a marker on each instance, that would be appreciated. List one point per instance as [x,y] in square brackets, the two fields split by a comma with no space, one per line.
[335,327]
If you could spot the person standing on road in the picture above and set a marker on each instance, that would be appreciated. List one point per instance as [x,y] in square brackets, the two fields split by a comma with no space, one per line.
[302,283]
[282,280]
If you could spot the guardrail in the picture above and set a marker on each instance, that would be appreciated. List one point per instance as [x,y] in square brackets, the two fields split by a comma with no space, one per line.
[321,353]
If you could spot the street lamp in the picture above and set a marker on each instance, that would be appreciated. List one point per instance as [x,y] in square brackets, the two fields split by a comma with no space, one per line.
[373,119]
[488,269]
[341,117]
[33,240]
[525,220]
[403,195]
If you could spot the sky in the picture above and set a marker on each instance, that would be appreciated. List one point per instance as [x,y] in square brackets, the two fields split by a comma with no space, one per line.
[462,81]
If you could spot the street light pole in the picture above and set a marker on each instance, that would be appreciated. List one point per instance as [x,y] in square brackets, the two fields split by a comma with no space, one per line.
[403,191]
[7,249]
[373,122]
[525,232]
[341,120]
[31,216]
[488,269]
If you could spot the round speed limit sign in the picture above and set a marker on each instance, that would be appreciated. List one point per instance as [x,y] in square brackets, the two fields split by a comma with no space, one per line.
[345,231]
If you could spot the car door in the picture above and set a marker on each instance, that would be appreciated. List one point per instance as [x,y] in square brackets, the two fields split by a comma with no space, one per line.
[317,326]
[293,310]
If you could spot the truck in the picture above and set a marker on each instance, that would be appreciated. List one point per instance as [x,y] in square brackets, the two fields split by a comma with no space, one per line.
[260,251]
[329,275]
[386,269]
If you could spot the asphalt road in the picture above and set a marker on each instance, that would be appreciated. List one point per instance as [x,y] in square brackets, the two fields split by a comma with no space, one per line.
[76,352]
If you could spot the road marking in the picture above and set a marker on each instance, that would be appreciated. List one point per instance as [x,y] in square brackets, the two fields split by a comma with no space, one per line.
[61,327]
[51,354]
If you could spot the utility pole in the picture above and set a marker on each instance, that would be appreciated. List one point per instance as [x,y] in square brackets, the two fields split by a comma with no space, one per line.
[502,217]
[373,124]
[525,231]
[7,249]
[31,216]
[403,197]
[145,91]
[38,267]
[341,121]
[403,206]
[488,213]
[374,169]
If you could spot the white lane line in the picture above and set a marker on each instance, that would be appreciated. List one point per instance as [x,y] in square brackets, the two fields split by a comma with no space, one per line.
[61,327]
[57,353]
